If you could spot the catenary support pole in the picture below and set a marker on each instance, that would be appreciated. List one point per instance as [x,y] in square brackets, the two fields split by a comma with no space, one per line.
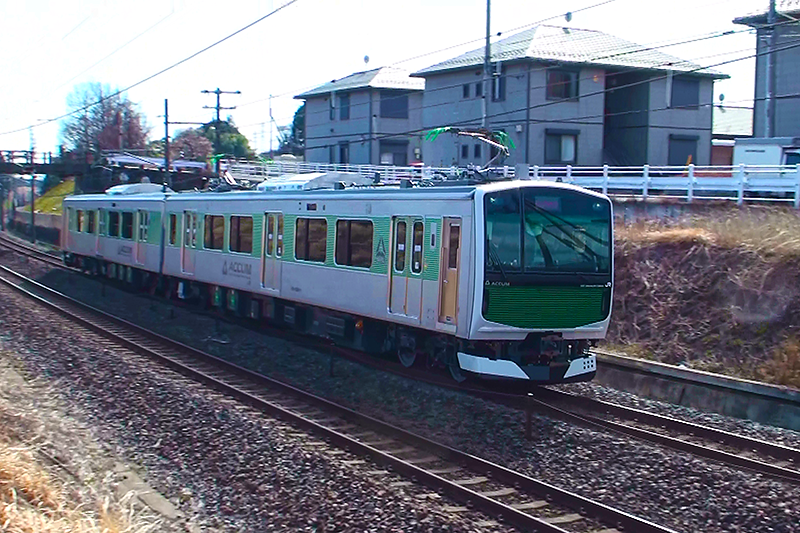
[167,182]
[769,78]
[218,107]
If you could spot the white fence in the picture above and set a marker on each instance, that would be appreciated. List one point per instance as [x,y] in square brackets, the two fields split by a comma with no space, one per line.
[741,183]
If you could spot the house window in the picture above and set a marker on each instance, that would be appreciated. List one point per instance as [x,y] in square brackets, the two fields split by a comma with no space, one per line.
[344,107]
[560,147]
[173,229]
[562,84]
[354,243]
[465,91]
[682,150]
[311,239]
[113,224]
[344,153]
[464,151]
[477,151]
[685,92]
[479,89]
[331,154]
[127,225]
[394,104]
[214,232]
[241,234]
[332,102]
[499,86]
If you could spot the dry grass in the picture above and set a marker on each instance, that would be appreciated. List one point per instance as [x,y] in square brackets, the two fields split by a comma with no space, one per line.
[718,291]
[771,232]
[42,494]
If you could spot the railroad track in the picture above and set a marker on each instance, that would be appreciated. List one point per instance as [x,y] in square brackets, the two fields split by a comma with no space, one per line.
[499,492]
[30,251]
[732,449]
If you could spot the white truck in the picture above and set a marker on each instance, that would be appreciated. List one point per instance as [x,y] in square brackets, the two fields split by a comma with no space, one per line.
[766,151]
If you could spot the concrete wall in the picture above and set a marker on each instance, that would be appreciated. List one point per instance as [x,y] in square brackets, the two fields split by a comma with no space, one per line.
[525,86]
[664,122]
[322,132]
[626,133]
[787,81]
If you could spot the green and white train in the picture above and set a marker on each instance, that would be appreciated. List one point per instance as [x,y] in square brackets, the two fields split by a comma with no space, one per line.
[502,280]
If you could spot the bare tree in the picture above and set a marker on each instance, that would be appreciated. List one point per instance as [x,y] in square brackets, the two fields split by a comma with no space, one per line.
[102,120]
[191,144]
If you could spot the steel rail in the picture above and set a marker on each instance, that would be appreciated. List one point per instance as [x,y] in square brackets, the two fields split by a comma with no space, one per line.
[543,397]
[126,333]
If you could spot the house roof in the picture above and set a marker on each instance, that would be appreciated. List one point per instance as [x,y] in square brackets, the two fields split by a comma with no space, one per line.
[379,78]
[732,121]
[787,9]
[570,45]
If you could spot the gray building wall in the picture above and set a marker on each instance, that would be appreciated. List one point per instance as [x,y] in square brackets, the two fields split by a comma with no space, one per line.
[322,133]
[627,103]
[787,82]
[444,105]
[683,122]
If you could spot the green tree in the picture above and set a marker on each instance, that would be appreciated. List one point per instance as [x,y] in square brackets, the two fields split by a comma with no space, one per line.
[295,141]
[231,141]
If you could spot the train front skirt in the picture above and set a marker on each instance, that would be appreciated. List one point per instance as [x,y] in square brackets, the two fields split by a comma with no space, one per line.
[579,369]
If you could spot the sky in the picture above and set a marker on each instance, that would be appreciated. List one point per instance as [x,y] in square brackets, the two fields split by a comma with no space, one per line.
[50,46]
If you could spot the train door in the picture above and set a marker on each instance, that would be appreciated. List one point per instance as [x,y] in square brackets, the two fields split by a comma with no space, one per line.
[142,229]
[405,296]
[189,241]
[450,263]
[273,251]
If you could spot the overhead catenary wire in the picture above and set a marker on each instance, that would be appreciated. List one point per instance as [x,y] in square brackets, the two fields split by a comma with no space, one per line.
[160,72]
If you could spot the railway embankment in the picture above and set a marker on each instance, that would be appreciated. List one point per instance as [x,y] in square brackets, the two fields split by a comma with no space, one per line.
[716,291]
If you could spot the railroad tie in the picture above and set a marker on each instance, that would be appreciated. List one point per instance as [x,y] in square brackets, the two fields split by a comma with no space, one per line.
[538,504]
[454,509]
[448,470]
[354,462]
[398,484]
[378,473]
[564,519]
[471,481]
[498,493]
[398,451]
[376,443]
[423,460]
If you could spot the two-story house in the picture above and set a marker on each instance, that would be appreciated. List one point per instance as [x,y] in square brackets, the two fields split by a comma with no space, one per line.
[572,96]
[785,74]
[364,118]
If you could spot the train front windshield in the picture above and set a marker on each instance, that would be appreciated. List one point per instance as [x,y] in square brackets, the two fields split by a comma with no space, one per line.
[532,231]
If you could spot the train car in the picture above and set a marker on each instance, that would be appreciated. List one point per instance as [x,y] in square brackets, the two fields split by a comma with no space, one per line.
[503,280]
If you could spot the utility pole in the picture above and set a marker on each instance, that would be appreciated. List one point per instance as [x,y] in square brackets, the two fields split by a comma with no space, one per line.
[167,182]
[487,57]
[33,188]
[769,104]
[218,107]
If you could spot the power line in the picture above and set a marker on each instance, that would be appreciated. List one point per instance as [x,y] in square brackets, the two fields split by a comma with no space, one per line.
[787,46]
[426,54]
[160,72]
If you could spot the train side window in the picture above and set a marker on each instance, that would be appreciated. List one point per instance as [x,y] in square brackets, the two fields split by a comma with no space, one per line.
[127,225]
[144,226]
[101,221]
[113,223]
[416,250]
[452,260]
[354,243]
[400,247]
[270,234]
[311,239]
[90,221]
[173,229]
[279,243]
[241,234]
[79,221]
[214,233]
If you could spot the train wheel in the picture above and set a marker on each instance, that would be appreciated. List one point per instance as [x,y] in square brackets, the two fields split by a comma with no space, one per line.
[407,356]
[456,373]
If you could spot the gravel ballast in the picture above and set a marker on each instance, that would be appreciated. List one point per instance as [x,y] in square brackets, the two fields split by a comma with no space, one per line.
[670,488]
[225,466]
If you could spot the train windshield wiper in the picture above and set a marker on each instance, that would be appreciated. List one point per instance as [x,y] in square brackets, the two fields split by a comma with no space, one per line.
[494,256]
